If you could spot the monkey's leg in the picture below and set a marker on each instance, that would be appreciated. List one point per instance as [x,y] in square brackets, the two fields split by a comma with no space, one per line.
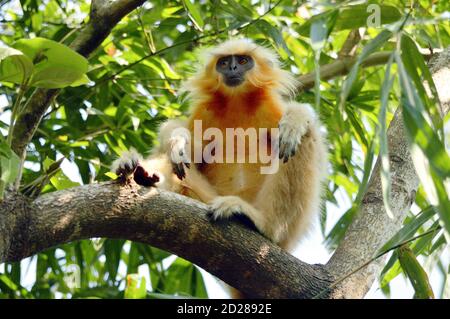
[290,198]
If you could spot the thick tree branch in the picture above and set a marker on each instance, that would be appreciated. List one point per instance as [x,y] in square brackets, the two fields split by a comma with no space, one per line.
[232,252]
[372,227]
[104,16]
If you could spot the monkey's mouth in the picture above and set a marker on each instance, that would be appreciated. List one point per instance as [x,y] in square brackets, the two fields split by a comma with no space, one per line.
[234,80]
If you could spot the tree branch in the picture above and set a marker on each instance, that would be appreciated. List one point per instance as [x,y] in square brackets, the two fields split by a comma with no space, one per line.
[372,220]
[239,256]
[104,16]
[341,66]
[350,45]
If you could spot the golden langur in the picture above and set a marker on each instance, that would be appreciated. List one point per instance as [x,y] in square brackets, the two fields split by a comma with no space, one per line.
[241,86]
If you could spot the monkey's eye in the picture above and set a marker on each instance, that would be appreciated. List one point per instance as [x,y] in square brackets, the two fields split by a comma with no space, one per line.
[223,63]
[243,61]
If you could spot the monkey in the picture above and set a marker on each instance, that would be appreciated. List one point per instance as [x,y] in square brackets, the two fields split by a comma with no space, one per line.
[242,85]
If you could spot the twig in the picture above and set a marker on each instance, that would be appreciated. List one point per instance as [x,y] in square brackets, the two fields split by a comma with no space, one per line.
[350,44]
[341,279]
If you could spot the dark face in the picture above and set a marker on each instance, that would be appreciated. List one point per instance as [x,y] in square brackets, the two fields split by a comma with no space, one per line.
[233,68]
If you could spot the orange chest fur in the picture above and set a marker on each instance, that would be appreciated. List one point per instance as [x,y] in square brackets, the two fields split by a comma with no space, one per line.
[256,109]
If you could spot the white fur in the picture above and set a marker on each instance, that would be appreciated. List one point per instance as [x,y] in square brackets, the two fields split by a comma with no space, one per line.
[128,158]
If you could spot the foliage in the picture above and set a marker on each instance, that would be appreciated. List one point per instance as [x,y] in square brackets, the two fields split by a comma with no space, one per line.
[117,99]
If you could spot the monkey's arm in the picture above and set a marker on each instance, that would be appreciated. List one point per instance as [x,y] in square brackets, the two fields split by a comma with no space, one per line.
[298,120]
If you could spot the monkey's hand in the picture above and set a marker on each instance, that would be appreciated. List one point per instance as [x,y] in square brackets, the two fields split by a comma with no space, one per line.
[179,156]
[130,164]
[294,124]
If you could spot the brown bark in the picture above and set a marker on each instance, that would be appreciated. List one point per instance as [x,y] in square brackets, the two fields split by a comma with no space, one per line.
[239,256]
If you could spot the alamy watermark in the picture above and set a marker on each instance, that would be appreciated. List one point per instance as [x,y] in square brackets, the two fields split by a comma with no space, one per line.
[374,19]
[239,145]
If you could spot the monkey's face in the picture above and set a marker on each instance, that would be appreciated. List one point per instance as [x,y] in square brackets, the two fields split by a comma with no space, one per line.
[233,68]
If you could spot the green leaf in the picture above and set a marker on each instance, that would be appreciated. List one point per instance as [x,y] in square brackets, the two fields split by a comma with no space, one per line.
[392,267]
[233,7]
[318,35]
[419,72]
[368,163]
[353,17]
[415,273]
[372,46]
[338,231]
[198,287]
[439,242]
[9,165]
[384,152]
[391,270]
[430,158]
[419,129]
[84,79]
[136,287]
[15,66]
[55,65]
[59,180]
[408,230]
[100,292]
[194,14]
[8,282]
[183,278]
[274,33]
[446,286]
[356,16]
[113,249]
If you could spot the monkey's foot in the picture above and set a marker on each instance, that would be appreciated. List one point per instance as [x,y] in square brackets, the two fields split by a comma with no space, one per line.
[294,124]
[144,178]
[223,207]
[179,155]
[126,164]
[129,164]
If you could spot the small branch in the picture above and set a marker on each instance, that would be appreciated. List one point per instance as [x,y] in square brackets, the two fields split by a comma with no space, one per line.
[381,254]
[351,43]
[341,67]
